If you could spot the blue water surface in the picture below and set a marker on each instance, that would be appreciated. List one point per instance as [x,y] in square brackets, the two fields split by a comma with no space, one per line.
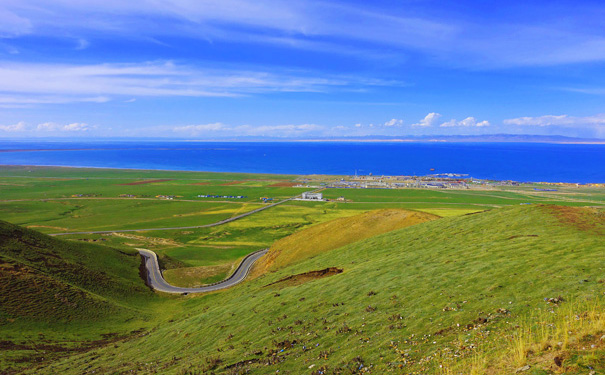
[579,163]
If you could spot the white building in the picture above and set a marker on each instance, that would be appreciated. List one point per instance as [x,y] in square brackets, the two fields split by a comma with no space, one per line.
[312,196]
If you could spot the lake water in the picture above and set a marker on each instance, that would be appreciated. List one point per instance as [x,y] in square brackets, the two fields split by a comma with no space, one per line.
[502,161]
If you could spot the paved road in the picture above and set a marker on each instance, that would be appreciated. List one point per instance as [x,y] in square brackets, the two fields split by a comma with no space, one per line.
[157,282]
[193,227]
[154,275]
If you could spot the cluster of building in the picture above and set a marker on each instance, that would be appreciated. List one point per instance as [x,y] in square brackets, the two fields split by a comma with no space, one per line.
[222,196]
[399,182]
[436,181]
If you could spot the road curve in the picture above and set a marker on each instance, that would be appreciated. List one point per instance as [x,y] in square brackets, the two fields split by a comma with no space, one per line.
[157,282]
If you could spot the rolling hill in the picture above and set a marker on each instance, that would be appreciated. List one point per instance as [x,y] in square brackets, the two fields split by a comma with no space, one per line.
[44,278]
[513,289]
[337,233]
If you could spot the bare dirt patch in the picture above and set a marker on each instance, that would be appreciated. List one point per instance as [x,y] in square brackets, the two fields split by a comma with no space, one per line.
[149,240]
[302,278]
[584,219]
[145,182]
[522,235]
[47,226]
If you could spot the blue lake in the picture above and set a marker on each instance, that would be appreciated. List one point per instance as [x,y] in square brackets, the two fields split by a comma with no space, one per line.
[503,161]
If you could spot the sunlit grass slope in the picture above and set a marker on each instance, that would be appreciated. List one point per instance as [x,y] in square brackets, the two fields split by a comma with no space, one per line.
[334,234]
[422,299]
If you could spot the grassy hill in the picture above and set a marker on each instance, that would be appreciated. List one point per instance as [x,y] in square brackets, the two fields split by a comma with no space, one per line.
[58,297]
[488,293]
[50,279]
[337,233]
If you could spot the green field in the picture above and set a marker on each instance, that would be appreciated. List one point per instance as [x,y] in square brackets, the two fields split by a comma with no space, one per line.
[464,293]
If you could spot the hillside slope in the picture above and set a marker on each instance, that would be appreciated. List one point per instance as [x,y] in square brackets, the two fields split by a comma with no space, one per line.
[422,299]
[47,279]
[337,233]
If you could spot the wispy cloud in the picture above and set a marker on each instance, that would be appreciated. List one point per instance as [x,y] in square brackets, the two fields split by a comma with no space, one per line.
[591,126]
[18,100]
[12,25]
[557,120]
[325,25]
[73,127]
[82,44]
[54,83]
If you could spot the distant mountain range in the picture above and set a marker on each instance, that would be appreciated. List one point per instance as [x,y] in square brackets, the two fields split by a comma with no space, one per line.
[427,138]
[474,138]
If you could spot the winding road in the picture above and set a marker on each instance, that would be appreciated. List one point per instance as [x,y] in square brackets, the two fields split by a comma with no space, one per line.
[154,276]
[157,282]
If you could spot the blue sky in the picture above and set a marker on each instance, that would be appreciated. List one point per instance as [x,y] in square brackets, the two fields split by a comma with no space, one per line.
[203,69]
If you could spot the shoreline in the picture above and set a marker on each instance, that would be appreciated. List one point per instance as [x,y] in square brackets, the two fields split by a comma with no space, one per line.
[262,173]
[394,140]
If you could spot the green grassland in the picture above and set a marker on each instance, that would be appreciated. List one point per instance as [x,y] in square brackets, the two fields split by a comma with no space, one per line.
[334,234]
[398,293]
[424,299]
[53,183]
[55,200]
[103,214]
[492,197]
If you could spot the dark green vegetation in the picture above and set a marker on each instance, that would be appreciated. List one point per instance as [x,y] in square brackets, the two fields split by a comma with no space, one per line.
[76,280]
[461,294]
[62,295]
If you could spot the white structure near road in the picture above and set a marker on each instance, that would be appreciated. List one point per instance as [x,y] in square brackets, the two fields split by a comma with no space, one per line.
[309,196]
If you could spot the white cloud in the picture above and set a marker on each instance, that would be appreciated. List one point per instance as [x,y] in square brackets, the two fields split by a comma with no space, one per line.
[358,125]
[467,122]
[196,129]
[18,127]
[587,125]
[73,127]
[546,120]
[393,122]
[428,120]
